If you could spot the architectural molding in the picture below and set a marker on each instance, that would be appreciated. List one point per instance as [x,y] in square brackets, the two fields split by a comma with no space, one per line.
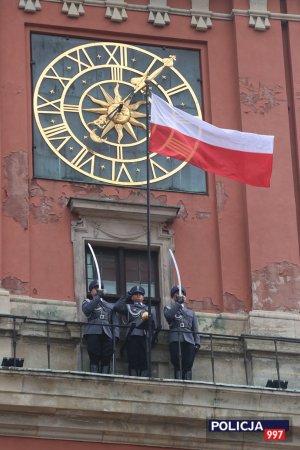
[84,206]
[201,15]
[259,15]
[60,310]
[109,222]
[116,10]
[128,410]
[160,14]
[73,8]
[30,6]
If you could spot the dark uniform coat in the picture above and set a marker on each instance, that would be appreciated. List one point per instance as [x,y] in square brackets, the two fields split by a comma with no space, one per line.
[183,324]
[133,313]
[100,317]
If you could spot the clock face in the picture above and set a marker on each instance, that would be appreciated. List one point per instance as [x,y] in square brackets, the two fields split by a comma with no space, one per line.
[89,107]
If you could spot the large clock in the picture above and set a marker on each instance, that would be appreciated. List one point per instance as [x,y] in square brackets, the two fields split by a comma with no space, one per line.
[89,108]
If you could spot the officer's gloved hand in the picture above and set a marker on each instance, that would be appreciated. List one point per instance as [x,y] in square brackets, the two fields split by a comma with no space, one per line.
[197,347]
[180,299]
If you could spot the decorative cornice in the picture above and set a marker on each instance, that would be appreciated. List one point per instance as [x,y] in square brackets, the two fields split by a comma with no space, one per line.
[73,8]
[160,14]
[201,15]
[120,210]
[30,6]
[259,15]
[116,10]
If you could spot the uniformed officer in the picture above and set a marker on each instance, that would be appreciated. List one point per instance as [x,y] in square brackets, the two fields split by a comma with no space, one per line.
[136,315]
[183,335]
[98,332]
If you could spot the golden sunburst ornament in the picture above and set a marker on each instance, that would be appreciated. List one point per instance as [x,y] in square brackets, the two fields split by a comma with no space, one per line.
[114,113]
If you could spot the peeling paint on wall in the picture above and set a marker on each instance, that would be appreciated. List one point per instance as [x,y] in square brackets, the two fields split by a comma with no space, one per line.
[15,186]
[43,213]
[232,303]
[222,197]
[42,208]
[183,213]
[200,215]
[276,287]
[259,99]
[204,304]
[14,285]
[86,188]
[134,196]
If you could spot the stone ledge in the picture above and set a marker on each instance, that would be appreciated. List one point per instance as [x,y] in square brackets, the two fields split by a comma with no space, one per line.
[119,210]
[43,308]
[275,323]
[188,12]
[129,410]
[224,323]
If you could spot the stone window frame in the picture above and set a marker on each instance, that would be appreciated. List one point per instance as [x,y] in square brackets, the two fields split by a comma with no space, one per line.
[114,223]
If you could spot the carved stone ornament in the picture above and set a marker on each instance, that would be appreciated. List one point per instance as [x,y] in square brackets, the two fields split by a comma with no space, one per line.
[159,13]
[30,6]
[73,8]
[201,15]
[116,10]
[259,15]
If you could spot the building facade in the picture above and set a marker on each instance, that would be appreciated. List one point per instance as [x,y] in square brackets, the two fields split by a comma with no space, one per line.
[73,173]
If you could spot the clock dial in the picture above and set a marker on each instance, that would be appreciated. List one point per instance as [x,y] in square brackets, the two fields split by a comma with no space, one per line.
[89,107]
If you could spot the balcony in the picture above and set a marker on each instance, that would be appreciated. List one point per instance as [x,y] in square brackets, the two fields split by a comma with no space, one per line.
[53,394]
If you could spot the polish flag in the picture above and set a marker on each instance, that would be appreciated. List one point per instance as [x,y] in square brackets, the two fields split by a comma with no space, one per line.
[245,157]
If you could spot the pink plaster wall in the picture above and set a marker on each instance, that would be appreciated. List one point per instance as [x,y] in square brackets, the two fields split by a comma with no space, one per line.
[224,241]
[12,443]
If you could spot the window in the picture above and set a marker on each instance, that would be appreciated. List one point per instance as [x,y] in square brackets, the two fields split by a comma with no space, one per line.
[121,269]
[116,230]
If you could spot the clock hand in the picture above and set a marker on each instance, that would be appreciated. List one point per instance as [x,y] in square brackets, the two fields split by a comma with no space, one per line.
[103,123]
[140,82]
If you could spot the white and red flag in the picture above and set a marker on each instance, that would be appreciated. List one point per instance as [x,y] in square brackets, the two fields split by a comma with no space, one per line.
[245,157]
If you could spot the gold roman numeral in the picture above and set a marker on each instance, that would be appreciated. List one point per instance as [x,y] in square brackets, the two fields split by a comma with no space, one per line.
[118,60]
[154,166]
[117,57]
[123,169]
[116,73]
[55,104]
[83,158]
[53,134]
[53,131]
[79,60]
[71,108]
[176,89]
[119,152]
[53,75]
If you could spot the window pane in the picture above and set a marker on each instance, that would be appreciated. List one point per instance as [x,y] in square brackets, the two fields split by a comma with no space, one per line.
[136,270]
[121,269]
[107,261]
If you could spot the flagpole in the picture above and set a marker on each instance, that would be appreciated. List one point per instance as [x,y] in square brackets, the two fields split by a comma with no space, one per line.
[148,229]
